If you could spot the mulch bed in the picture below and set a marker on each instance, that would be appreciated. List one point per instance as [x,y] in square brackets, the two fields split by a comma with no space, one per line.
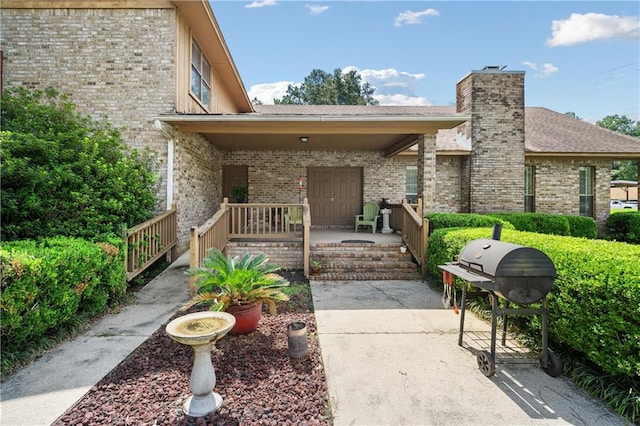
[258,382]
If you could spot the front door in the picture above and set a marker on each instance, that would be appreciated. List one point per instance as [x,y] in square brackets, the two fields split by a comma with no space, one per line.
[335,195]
[233,176]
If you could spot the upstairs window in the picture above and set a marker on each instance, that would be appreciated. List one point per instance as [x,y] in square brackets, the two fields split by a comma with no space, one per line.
[411,184]
[529,188]
[200,75]
[587,179]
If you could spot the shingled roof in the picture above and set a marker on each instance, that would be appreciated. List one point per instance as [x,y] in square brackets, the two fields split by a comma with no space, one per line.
[553,133]
[355,110]
[546,132]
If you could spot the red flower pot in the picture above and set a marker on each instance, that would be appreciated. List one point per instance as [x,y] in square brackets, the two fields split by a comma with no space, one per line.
[247,317]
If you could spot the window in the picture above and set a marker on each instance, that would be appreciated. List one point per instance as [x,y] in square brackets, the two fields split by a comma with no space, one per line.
[411,184]
[529,188]
[587,176]
[200,75]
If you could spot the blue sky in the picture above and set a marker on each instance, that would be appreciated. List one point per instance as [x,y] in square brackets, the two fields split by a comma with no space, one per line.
[579,56]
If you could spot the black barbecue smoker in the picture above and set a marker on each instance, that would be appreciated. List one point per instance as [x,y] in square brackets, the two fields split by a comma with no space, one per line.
[518,274]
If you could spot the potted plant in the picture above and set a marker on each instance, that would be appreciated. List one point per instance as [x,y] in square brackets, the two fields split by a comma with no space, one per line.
[316,266]
[240,193]
[239,286]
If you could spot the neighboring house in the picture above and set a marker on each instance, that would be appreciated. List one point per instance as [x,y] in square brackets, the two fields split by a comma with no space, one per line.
[162,69]
[624,190]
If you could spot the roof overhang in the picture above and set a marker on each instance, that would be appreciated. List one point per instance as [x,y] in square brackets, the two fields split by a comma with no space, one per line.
[390,134]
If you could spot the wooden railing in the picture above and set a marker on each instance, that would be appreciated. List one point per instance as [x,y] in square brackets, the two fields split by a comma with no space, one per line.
[415,232]
[148,241]
[260,221]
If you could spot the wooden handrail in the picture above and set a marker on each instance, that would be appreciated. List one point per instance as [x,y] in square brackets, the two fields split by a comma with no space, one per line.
[273,221]
[415,233]
[149,240]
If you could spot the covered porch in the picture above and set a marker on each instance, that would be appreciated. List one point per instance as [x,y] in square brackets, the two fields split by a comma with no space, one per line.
[290,239]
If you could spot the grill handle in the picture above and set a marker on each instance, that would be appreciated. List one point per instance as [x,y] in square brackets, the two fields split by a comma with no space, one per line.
[472,265]
[497,231]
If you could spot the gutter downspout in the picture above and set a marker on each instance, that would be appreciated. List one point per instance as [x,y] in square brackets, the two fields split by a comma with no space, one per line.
[157,124]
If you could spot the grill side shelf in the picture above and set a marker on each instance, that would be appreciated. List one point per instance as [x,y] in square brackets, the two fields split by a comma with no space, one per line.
[470,277]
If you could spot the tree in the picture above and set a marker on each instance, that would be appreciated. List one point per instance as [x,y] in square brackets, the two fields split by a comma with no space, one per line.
[573,115]
[322,88]
[66,174]
[622,170]
[621,124]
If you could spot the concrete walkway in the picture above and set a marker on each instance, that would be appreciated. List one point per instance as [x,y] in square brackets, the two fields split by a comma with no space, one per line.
[41,392]
[391,356]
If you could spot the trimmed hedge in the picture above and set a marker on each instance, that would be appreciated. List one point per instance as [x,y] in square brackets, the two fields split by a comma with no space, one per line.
[537,222]
[594,305]
[624,226]
[463,220]
[47,283]
[582,226]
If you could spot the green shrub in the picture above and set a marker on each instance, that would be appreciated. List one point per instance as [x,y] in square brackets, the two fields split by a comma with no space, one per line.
[594,304]
[66,174]
[463,220]
[624,226]
[46,283]
[541,223]
[582,226]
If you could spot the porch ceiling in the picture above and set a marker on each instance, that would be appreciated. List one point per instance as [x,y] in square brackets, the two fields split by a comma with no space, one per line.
[339,133]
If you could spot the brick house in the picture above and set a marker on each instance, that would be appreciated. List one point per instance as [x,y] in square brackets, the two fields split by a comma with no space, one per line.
[162,69]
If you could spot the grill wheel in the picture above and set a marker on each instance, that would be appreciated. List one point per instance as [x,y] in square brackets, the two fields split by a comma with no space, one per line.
[486,363]
[554,365]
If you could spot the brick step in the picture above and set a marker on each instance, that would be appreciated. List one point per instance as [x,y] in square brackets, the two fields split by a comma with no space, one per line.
[343,264]
[365,276]
[363,261]
[339,247]
[372,255]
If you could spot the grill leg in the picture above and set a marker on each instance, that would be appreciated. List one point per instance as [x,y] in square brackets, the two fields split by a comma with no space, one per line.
[545,326]
[504,324]
[494,320]
[464,303]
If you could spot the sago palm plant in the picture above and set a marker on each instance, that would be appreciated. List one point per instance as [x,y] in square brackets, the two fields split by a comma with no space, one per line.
[223,281]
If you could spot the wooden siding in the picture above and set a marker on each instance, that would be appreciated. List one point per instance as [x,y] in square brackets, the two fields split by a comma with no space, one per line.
[221,101]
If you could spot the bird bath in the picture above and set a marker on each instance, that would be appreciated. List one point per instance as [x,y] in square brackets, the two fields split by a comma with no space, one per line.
[200,330]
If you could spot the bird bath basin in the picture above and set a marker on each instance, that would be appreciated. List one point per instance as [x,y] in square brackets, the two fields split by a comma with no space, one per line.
[200,330]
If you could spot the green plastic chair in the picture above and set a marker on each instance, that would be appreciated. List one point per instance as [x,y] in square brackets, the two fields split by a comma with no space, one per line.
[369,217]
[293,217]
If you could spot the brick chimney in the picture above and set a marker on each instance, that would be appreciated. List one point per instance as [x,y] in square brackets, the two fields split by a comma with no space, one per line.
[495,169]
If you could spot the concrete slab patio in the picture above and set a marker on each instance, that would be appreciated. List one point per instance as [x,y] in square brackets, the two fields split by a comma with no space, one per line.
[391,356]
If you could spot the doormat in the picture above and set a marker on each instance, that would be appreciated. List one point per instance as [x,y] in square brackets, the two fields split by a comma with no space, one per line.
[358,241]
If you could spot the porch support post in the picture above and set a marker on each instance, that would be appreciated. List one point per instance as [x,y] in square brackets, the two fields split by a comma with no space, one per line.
[306,220]
[194,258]
[427,172]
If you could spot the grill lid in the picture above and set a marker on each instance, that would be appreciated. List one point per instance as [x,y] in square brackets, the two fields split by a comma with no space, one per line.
[521,274]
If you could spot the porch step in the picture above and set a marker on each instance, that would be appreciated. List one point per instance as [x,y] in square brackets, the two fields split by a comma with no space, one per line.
[363,262]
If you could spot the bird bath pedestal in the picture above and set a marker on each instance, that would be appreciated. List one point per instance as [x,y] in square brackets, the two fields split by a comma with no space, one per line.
[385,221]
[200,330]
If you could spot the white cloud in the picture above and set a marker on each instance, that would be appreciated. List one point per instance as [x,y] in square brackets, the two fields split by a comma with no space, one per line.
[267,92]
[592,27]
[316,9]
[402,100]
[261,3]
[410,17]
[542,70]
[389,81]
